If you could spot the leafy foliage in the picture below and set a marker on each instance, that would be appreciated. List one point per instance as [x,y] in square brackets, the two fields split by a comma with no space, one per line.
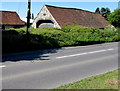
[114,18]
[15,40]
[105,12]
[97,10]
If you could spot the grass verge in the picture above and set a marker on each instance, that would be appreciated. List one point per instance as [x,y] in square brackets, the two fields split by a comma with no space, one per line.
[105,81]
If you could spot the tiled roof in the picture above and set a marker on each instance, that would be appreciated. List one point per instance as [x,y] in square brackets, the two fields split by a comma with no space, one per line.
[10,18]
[69,16]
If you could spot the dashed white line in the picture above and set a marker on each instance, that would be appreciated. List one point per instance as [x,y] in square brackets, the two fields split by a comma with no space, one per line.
[84,53]
[2,66]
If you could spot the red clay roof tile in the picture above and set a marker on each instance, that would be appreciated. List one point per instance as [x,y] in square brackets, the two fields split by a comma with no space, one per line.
[69,16]
[10,18]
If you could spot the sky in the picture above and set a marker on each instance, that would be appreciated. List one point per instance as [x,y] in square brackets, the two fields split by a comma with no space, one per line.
[21,7]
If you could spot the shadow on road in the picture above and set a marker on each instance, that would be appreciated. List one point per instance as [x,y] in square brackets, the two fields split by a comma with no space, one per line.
[29,56]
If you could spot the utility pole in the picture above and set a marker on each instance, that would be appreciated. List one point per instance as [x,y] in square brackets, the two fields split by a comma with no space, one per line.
[119,5]
[28,17]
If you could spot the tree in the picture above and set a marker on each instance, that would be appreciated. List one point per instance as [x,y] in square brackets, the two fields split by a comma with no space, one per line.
[32,16]
[97,10]
[105,12]
[114,18]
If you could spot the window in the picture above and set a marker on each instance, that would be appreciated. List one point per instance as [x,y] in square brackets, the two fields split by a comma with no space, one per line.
[44,14]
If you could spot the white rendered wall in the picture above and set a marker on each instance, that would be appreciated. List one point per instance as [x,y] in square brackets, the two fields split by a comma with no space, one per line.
[45,15]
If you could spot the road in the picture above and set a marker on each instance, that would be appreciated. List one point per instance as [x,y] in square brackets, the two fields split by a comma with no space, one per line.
[52,68]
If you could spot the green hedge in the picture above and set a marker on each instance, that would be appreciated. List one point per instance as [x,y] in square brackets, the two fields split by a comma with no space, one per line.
[15,40]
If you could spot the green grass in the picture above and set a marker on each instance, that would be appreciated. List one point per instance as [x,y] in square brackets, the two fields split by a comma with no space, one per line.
[105,81]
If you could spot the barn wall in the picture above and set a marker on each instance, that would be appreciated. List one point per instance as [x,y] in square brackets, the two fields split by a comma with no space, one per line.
[45,15]
[4,27]
[7,27]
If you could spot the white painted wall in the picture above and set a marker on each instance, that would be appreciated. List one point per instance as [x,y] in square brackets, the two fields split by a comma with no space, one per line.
[48,16]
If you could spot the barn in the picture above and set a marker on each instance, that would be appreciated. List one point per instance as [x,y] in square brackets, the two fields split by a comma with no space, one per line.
[52,16]
[9,19]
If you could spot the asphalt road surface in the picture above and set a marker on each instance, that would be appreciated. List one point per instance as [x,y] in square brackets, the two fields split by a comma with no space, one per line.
[52,68]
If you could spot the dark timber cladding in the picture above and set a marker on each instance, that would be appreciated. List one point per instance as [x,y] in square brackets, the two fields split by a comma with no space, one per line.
[69,16]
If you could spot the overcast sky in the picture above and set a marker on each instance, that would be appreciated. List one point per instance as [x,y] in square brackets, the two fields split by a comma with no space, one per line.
[21,7]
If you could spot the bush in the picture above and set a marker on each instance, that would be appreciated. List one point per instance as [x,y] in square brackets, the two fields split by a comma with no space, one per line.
[114,18]
[15,40]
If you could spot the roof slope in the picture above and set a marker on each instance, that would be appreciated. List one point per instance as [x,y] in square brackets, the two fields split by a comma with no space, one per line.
[10,18]
[69,16]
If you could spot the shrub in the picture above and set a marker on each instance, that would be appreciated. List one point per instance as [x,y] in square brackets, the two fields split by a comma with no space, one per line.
[15,40]
[114,18]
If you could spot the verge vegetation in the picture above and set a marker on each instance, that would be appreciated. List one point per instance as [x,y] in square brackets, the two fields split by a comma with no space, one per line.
[105,81]
[15,40]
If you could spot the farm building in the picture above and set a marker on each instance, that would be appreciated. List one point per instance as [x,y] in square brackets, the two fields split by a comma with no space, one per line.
[10,19]
[51,16]
[25,21]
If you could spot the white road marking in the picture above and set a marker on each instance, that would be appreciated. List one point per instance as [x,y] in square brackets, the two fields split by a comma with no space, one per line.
[2,66]
[84,53]
[60,67]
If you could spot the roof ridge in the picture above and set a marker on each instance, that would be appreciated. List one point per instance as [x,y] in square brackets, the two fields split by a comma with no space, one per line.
[70,8]
[7,11]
